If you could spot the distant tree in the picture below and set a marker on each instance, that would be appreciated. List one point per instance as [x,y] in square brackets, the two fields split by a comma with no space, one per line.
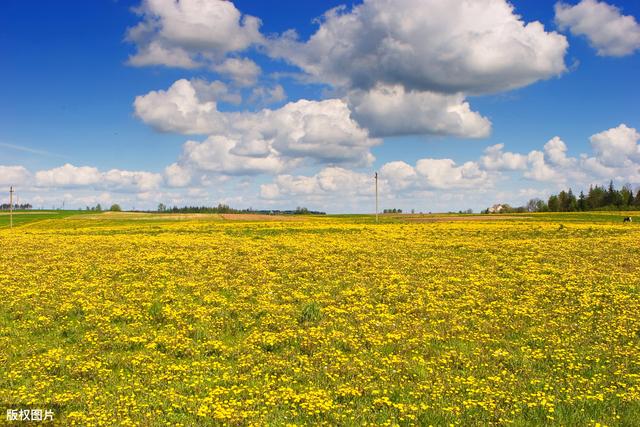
[573,203]
[98,207]
[161,207]
[115,208]
[626,196]
[536,205]
[596,197]
[582,202]
[610,195]
[553,203]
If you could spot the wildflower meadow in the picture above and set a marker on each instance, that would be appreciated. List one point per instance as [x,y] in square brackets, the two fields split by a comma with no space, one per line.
[201,321]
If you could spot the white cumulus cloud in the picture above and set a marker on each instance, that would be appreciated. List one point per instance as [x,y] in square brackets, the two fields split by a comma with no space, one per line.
[609,31]
[243,71]
[445,173]
[177,175]
[186,33]
[447,46]
[406,66]
[391,110]
[14,175]
[617,146]
[268,140]
[495,158]
[179,109]
[68,175]
[215,154]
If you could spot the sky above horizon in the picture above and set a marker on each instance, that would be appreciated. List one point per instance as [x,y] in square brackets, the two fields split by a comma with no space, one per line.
[273,105]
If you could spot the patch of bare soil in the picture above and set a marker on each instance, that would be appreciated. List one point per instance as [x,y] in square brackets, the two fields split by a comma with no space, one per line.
[260,217]
[460,218]
[185,216]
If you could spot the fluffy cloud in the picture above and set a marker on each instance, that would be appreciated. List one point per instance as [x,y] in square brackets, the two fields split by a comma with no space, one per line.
[617,146]
[208,167]
[441,46]
[177,176]
[326,183]
[243,71]
[320,130]
[121,180]
[216,155]
[468,180]
[556,151]
[400,175]
[70,176]
[444,174]
[391,110]
[616,155]
[14,175]
[187,32]
[215,91]
[608,31]
[265,96]
[495,159]
[539,169]
[179,109]
[403,66]
[407,65]
[155,53]
[553,164]
[435,174]
[260,142]
[427,174]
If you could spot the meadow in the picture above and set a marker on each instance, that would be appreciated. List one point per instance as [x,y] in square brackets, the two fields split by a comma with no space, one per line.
[154,320]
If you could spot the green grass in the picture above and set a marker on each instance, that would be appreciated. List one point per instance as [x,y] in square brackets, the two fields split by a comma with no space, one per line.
[24,217]
[240,312]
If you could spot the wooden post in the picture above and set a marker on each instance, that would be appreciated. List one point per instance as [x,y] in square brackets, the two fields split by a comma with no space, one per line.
[10,207]
[376,197]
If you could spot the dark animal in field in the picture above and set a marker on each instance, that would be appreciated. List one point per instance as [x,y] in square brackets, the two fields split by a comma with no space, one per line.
[627,219]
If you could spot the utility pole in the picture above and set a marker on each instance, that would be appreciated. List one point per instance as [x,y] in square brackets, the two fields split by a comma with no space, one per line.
[11,207]
[376,177]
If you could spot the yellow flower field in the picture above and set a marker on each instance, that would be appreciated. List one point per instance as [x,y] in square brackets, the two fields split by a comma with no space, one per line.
[333,321]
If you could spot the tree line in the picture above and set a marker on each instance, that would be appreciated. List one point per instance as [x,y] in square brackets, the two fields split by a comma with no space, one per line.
[597,198]
[226,209]
[7,206]
[98,208]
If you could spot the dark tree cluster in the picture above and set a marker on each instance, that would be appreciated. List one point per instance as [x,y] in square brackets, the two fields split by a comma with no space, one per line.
[392,211]
[597,198]
[96,208]
[7,206]
[226,209]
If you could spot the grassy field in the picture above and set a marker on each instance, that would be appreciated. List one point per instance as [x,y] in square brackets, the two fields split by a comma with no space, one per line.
[157,320]
[24,217]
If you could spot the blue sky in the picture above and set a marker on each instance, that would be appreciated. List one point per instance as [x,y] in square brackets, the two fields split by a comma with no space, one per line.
[67,113]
